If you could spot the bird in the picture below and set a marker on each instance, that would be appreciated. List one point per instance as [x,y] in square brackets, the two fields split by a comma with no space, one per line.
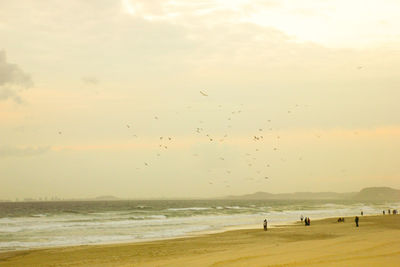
[204,94]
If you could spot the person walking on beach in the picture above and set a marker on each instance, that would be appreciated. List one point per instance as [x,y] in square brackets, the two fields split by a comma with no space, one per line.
[356,220]
[265,225]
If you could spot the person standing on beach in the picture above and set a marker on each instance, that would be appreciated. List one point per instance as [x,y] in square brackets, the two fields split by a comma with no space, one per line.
[383,212]
[265,225]
[362,213]
[356,220]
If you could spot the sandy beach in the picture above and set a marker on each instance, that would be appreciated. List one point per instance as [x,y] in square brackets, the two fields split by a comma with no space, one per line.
[324,243]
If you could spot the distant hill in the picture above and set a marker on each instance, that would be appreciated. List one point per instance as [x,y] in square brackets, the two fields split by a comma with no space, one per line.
[297,195]
[378,193]
[371,193]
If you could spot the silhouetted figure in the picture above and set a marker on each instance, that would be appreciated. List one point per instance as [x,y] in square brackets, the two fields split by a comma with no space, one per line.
[383,212]
[308,221]
[339,220]
[305,221]
[301,218]
[388,211]
[362,213]
[356,220]
[265,225]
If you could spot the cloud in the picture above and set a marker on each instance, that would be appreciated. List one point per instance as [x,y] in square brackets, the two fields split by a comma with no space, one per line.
[13,151]
[12,80]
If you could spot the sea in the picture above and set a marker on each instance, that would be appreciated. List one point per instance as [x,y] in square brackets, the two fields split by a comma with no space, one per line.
[31,225]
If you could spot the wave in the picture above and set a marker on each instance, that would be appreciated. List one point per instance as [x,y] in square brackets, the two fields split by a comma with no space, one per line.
[191,208]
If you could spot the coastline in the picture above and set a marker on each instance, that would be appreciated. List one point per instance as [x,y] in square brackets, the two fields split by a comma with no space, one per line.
[187,235]
[325,238]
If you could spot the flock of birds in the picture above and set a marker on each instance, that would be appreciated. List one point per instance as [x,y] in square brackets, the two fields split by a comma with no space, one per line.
[164,142]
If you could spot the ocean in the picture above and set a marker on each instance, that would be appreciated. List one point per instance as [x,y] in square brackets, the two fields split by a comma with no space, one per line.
[28,225]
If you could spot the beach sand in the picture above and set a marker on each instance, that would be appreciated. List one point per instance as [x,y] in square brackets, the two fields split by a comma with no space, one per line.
[325,243]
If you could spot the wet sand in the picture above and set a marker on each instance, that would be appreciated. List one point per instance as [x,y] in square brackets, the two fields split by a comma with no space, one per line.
[325,243]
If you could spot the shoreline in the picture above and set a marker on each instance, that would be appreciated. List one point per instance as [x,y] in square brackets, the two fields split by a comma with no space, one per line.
[188,235]
[244,246]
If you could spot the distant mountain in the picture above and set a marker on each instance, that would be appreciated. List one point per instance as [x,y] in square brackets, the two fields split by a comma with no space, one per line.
[371,193]
[297,195]
[378,193]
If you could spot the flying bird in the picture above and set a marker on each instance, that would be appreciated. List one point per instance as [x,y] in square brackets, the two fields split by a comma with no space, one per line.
[204,94]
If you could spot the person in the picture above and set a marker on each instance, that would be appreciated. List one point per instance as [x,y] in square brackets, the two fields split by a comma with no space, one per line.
[339,220]
[356,220]
[383,212]
[362,213]
[388,211]
[301,217]
[265,225]
[308,221]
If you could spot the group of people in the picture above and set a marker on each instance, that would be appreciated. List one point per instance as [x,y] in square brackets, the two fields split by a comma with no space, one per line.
[394,212]
[307,221]
[341,219]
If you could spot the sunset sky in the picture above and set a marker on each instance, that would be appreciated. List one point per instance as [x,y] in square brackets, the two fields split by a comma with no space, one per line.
[88,88]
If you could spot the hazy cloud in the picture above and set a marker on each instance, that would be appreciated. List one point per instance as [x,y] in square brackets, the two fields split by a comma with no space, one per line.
[12,80]
[13,151]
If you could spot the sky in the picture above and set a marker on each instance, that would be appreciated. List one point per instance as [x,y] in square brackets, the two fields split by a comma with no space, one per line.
[193,99]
